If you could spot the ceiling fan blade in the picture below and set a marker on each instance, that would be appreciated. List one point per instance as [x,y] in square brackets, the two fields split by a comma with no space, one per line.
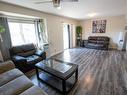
[43,2]
[69,0]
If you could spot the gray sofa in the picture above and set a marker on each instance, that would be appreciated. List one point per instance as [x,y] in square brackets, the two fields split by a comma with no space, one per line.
[14,82]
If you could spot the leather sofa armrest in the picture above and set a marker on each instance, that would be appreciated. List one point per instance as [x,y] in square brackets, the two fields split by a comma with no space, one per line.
[18,58]
[6,66]
[40,53]
[20,62]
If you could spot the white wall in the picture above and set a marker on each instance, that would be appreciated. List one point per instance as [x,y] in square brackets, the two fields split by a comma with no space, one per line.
[125,33]
[114,26]
[126,19]
[54,24]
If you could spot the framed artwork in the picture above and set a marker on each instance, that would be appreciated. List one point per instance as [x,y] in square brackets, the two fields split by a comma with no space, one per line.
[99,26]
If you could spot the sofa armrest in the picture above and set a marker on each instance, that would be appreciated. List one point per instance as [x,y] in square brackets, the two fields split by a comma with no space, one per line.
[6,66]
[18,58]
[40,53]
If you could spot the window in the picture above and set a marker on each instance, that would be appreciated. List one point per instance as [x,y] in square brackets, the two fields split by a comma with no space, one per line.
[22,33]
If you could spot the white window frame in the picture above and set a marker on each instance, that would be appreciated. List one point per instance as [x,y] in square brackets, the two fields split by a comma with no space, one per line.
[22,20]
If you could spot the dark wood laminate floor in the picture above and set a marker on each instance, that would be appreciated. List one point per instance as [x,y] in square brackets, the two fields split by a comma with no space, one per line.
[100,72]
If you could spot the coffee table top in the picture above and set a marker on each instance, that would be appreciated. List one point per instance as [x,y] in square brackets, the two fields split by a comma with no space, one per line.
[57,68]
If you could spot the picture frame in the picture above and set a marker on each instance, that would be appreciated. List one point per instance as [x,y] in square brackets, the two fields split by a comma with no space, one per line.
[99,26]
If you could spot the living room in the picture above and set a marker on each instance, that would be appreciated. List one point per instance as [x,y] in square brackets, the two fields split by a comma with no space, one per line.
[96,71]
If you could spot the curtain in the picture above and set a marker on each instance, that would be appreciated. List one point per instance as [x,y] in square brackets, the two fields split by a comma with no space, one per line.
[6,43]
[41,33]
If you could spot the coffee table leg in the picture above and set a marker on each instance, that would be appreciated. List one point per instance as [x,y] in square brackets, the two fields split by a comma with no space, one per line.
[37,73]
[64,86]
[76,75]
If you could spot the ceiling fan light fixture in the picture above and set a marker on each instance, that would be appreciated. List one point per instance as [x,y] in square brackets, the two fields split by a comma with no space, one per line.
[56,3]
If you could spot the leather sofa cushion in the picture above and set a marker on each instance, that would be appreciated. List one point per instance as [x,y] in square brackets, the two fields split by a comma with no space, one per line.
[92,41]
[28,47]
[16,86]
[27,53]
[104,38]
[33,59]
[22,48]
[102,42]
[17,49]
[95,45]
[92,38]
[9,75]
[34,90]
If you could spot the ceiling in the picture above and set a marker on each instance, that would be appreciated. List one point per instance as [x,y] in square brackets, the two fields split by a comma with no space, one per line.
[84,9]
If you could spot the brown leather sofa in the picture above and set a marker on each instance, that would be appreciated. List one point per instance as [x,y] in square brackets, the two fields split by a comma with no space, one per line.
[26,56]
[98,42]
[14,82]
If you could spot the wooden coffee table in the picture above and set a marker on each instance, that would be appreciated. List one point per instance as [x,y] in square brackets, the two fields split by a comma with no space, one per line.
[58,74]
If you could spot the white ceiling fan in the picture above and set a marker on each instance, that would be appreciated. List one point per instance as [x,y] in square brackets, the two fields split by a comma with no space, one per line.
[56,3]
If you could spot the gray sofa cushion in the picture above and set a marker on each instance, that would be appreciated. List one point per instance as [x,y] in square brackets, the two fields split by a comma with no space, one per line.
[9,75]
[16,86]
[34,90]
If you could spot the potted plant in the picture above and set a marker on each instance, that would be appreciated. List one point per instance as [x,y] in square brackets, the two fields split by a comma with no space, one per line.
[79,31]
[2,29]
[78,35]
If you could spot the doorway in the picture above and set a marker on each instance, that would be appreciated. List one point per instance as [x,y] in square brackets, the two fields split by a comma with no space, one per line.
[68,36]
